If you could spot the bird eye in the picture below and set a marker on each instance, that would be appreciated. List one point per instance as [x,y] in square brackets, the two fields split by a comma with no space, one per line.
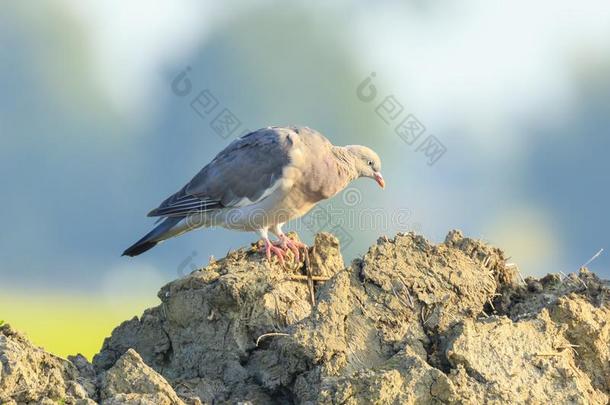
[370,163]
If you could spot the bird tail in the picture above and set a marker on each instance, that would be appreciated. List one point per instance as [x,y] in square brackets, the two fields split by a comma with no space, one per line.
[152,238]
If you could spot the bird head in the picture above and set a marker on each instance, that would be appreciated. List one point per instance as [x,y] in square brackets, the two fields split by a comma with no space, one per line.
[366,163]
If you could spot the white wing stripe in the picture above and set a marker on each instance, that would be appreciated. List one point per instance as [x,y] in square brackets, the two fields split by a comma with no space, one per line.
[245,201]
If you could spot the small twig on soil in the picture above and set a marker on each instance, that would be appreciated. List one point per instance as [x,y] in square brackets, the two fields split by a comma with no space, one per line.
[398,298]
[560,354]
[508,265]
[560,350]
[164,310]
[310,278]
[270,334]
[569,346]
[521,276]
[423,316]
[582,282]
[409,296]
[595,256]
[299,277]
[575,369]
[183,384]
[406,291]
[565,276]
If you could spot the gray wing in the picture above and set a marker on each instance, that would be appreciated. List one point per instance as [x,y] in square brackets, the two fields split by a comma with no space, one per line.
[246,168]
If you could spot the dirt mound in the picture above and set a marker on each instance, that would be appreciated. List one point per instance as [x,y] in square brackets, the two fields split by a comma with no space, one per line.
[409,322]
[30,375]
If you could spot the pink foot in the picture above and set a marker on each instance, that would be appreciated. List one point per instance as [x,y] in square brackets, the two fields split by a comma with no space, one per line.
[288,244]
[269,248]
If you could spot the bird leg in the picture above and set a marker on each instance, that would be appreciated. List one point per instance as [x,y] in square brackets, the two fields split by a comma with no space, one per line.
[293,245]
[270,248]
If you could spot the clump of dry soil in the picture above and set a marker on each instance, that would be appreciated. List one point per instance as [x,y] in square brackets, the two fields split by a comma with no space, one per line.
[409,322]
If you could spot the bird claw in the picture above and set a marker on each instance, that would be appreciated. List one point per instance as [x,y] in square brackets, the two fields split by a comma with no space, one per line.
[293,245]
[270,248]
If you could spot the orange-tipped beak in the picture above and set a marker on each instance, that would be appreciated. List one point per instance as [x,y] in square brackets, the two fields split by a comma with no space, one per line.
[379,179]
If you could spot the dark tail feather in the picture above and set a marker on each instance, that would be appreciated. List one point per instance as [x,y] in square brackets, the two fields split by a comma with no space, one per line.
[151,239]
[139,247]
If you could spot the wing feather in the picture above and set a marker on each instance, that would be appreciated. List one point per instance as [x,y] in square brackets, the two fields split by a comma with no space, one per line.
[243,173]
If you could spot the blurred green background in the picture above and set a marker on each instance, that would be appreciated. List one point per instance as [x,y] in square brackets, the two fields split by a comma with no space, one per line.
[93,136]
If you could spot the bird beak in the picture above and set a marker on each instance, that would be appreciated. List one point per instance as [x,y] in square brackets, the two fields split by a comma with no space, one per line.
[379,179]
